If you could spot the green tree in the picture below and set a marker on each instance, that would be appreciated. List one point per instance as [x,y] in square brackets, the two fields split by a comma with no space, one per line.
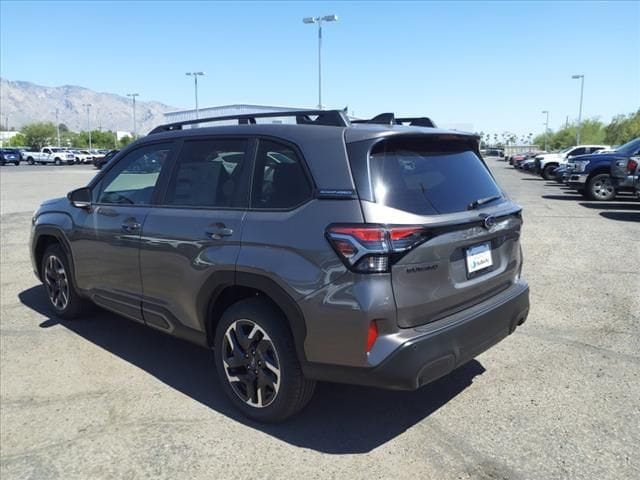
[18,140]
[124,141]
[622,129]
[38,135]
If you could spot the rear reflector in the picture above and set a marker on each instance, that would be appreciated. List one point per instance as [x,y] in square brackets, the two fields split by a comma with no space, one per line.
[372,335]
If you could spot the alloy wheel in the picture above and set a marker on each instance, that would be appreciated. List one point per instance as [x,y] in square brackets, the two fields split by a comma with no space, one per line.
[603,188]
[56,282]
[251,363]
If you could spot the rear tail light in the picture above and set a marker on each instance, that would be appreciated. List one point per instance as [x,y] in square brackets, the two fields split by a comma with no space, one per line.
[373,248]
[631,166]
[372,335]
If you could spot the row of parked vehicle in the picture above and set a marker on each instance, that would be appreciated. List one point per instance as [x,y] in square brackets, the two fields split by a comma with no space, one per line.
[56,156]
[598,172]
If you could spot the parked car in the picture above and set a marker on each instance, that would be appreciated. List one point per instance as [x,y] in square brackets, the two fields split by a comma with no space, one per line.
[547,163]
[518,159]
[101,161]
[591,174]
[54,155]
[9,155]
[624,165]
[82,156]
[372,253]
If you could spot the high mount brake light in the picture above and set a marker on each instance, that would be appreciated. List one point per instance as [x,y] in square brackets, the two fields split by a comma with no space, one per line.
[373,248]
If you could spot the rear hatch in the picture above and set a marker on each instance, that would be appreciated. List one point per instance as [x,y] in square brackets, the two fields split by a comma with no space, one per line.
[453,234]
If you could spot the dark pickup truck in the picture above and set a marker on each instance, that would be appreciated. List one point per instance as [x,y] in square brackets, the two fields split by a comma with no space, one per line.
[601,176]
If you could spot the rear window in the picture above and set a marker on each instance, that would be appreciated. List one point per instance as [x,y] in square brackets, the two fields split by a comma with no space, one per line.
[429,176]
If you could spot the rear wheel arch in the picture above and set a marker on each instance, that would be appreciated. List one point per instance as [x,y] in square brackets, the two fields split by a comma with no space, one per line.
[249,285]
[598,171]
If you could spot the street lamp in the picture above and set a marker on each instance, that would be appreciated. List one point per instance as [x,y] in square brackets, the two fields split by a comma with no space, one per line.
[581,77]
[133,97]
[319,20]
[195,76]
[546,129]
[88,106]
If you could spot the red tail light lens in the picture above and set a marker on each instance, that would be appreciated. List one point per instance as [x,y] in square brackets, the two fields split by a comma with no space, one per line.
[631,166]
[370,248]
[372,335]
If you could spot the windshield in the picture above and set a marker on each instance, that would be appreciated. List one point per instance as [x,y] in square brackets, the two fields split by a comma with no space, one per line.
[428,177]
[629,148]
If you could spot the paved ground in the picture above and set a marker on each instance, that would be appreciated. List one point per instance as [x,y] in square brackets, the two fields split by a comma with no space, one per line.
[104,398]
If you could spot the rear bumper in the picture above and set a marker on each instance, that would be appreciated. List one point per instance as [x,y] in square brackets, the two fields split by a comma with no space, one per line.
[438,347]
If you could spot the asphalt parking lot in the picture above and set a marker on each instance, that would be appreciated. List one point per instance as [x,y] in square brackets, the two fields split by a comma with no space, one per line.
[560,398]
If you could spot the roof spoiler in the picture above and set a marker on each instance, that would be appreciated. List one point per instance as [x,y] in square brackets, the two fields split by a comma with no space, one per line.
[390,119]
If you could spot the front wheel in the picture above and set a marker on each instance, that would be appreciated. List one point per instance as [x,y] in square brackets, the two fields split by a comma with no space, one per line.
[63,297]
[257,364]
[547,173]
[17,163]
[30,161]
[600,187]
[57,161]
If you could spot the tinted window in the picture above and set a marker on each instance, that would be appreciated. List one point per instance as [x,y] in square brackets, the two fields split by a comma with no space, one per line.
[428,177]
[133,179]
[280,180]
[209,174]
[577,151]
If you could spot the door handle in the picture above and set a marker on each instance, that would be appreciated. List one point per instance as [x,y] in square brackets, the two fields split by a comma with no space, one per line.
[220,231]
[130,226]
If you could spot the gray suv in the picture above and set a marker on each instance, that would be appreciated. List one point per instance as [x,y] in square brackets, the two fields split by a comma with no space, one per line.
[377,252]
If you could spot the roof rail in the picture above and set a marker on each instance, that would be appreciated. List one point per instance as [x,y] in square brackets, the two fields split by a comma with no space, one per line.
[336,118]
[390,119]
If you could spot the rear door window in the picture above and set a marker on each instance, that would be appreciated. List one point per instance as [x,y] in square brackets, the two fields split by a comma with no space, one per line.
[429,177]
[210,173]
[280,181]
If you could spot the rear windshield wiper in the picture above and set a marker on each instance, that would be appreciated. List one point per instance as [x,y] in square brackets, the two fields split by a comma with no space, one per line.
[482,201]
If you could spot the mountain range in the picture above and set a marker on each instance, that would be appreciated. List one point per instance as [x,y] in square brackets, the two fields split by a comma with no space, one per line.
[25,102]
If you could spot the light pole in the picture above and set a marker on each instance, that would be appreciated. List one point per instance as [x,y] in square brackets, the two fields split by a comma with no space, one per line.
[133,97]
[546,129]
[581,77]
[88,106]
[58,127]
[319,20]
[195,76]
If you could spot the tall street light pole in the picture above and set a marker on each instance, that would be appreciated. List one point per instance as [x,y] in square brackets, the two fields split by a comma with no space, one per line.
[319,20]
[58,127]
[195,76]
[581,77]
[88,106]
[546,130]
[133,97]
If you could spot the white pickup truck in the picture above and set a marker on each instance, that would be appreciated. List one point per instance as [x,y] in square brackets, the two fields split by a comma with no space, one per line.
[54,155]
[548,162]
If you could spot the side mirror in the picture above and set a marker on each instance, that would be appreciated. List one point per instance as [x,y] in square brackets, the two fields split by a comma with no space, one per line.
[80,198]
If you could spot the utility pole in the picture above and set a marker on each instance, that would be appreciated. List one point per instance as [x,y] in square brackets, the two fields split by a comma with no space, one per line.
[133,97]
[546,129]
[58,127]
[88,106]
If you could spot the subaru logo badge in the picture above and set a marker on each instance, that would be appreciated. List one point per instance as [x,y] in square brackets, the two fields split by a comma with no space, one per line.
[489,222]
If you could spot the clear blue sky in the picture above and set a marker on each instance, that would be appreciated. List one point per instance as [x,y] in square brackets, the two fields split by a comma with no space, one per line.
[494,65]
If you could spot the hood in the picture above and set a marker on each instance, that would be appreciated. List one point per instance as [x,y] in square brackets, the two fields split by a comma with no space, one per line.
[54,202]
[599,157]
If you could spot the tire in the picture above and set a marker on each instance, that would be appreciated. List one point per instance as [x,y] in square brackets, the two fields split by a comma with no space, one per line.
[61,293]
[285,390]
[547,172]
[57,161]
[600,187]
[17,164]
[30,161]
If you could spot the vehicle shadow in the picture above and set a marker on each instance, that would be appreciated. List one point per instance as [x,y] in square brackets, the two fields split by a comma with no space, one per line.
[534,179]
[341,419]
[612,205]
[622,216]
[567,196]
